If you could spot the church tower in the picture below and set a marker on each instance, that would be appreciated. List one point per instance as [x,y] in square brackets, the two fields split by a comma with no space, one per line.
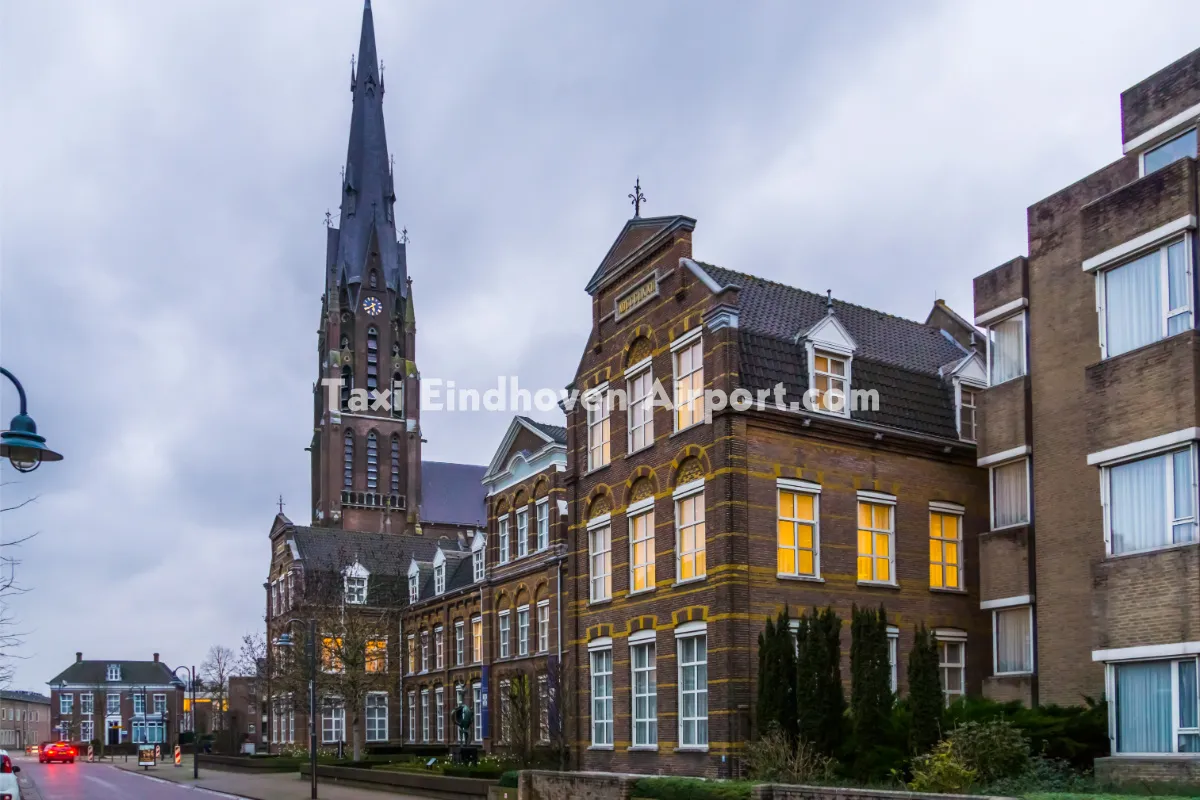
[366,457]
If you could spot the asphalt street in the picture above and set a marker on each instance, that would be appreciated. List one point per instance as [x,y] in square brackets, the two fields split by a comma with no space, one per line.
[96,782]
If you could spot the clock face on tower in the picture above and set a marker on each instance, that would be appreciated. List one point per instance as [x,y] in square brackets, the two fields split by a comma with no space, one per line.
[372,306]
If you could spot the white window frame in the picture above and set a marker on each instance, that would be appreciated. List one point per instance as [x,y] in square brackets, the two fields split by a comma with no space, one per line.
[112,703]
[1163,142]
[832,377]
[601,723]
[504,624]
[86,704]
[638,377]
[1165,312]
[378,725]
[439,579]
[460,642]
[877,499]
[522,531]
[893,637]
[1028,492]
[439,705]
[425,651]
[541,514]
[476,639]
[414,586]
[813,490]
[479,557]
[961,389]
[959,512]
[599,427]
[692,343]
[439,647]
[945,636]
[333,721]
[412,716]
[641,510]
[599,532]
[114,672]
[502,539]
[1110,679]
[692,630]
[543,625]
[686,492]
[523,630]
[639,641]
[1024,345]
[66,703]
[412,653]
[996,612]
[424,715]
[1193,449]
[477,702]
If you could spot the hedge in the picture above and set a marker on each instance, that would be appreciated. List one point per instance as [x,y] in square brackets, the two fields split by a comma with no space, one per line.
[691,789]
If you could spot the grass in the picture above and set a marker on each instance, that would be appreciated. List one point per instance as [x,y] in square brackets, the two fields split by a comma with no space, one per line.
[1098,796]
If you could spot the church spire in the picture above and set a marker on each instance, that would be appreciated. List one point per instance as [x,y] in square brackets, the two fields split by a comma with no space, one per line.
[367,219]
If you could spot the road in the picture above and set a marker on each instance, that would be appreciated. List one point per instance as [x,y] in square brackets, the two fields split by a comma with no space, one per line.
[97,782]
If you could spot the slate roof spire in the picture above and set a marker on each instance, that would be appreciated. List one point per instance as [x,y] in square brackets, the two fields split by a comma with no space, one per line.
[368,191]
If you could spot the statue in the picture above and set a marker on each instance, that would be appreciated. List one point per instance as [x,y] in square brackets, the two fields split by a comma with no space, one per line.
[463,716]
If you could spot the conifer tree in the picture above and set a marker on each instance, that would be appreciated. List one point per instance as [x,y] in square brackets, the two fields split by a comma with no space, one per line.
[821,702]
[870,678]
[925,699]
[777,677]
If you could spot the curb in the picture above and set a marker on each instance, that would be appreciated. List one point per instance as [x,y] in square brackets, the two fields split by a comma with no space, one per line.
[189,787]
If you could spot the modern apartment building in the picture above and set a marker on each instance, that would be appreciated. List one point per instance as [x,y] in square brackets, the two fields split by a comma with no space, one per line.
[1090,566]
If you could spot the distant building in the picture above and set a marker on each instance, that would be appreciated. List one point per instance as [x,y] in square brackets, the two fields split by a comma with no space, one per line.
[115,701]
[24,719]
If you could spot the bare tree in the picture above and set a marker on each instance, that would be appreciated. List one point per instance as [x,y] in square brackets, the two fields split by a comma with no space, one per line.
[215,672]
[518,707]
[11,639]
[561,699]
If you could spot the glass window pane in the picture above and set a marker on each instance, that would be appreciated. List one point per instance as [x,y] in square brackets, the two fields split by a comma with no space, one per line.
[1006,349]
[1181,146]
[1138,513]
[1010,494]
[1187,694]
[1144,707]
[1133,304]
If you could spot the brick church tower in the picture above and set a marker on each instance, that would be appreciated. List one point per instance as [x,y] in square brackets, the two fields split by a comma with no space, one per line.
[366,460]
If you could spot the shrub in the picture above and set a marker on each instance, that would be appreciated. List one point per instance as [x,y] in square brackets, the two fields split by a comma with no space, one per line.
[993,750]
[819,694]
[777,677]
[1078,734]
[691,789]
[509,779]
[925,700]
[1043,775]
[940,771]
[774,759]
[482,771]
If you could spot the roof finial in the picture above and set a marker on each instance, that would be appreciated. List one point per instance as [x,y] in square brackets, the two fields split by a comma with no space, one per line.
[637,198]
[280,504]
[404,236]
[353,81]
[328,218]
[829,301]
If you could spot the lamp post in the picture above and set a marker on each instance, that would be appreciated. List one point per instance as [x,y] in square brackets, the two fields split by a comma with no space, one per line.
[285,640]
[178,684]
[21,442]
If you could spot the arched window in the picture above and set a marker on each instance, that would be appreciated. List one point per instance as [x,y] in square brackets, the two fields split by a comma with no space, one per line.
[374,280]
[372,359]
[348,461]
[395,465]
[372,461]
[347,385]
[397,395]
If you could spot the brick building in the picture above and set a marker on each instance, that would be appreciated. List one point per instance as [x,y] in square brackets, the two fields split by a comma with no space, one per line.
[1089,431]
[24,719]
[688,531]
[116,702]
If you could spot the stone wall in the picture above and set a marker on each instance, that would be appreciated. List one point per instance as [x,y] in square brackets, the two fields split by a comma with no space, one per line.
[1148,769]
[775,791]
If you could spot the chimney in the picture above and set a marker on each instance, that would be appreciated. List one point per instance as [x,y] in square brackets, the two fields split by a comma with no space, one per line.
[156,658]
[78,657]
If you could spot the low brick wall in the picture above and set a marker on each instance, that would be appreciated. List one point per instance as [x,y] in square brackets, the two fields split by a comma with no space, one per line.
[778,791]
[1117,770]
[438,787]
[246,764]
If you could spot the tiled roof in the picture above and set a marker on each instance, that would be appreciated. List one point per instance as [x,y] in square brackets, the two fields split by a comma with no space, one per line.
[452,494]
[556,432]
[897,357]
[380,553]
[24,697]
[151,672]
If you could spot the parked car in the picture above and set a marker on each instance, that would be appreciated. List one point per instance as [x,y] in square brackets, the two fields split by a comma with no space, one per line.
[9,790]
[57,751]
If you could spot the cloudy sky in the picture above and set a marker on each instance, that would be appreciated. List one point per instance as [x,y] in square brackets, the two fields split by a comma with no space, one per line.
[167,168]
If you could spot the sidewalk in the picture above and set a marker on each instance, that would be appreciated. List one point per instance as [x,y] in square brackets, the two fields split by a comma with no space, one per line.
[286,786]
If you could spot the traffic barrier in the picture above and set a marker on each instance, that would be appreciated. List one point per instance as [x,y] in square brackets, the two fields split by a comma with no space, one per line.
[178,756]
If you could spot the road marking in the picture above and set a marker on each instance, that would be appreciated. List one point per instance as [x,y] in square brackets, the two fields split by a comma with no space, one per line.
[173,783]
[103,782]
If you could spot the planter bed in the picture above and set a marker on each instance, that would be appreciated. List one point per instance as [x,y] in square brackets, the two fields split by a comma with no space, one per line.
[439,787]
[247,763]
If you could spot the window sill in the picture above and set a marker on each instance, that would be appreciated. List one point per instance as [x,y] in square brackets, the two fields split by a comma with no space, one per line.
[686,581]
[692,748]
[608,747]
[783,576]
[639,451]
[1164,549]
[639,592]
[880,584]
[946,590]
[642,748]
[1028,674]
[596,470]
[1013,526]
[678,431]
[604,602]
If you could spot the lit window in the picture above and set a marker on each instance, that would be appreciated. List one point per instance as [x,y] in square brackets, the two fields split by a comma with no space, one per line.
[377,717]
[641,410]
[798,552]
[1006,349]
[689,533]
[1010,494]
[331,654]
[1182,146]
[689,385]
[542,510]
[952,660]
[1156,707]
[522,532]
[477,639]
[504,627]
[602,697]
[372,461]
[1147,299]
[645,694]
[412,653]
[598,405]
[966,412]
[1014,640]
[523,631]
[641,550]
[600,560]
[504,552]
[376,660]
[1151,502]
[830,379]
[543,623]
[693,690]
[875,550]
[945,549]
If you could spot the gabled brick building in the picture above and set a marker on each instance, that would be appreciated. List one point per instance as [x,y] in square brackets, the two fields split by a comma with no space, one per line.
[1089,430]
[692,524]
[116,702]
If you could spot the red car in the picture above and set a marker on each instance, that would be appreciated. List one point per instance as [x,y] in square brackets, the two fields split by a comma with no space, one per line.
[57,751]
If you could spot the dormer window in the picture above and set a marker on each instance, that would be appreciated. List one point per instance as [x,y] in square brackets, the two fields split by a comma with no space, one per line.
[831,376]
[966,412]
[114,672]
[414,582]
[1170,151]
[830,349]
[478,549]
[355,584]
[439,573]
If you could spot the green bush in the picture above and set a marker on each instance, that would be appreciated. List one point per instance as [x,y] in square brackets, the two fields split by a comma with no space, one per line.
[482,771]
[691,789]
[1043,775]
[509,779]
[940,771]
[993,750]
[1078,734]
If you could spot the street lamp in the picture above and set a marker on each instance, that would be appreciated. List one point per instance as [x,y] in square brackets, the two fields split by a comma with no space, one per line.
[285,640]
[21,443]
[177,684]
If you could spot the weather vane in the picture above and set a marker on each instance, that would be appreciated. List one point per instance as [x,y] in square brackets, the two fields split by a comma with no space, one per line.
[637,198]
[404,236]
[328,218]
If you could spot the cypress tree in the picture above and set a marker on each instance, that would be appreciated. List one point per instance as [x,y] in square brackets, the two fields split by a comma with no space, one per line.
[776,677]
[870,678]
[766,711]
[786,659]
[821,702]
[925,698]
